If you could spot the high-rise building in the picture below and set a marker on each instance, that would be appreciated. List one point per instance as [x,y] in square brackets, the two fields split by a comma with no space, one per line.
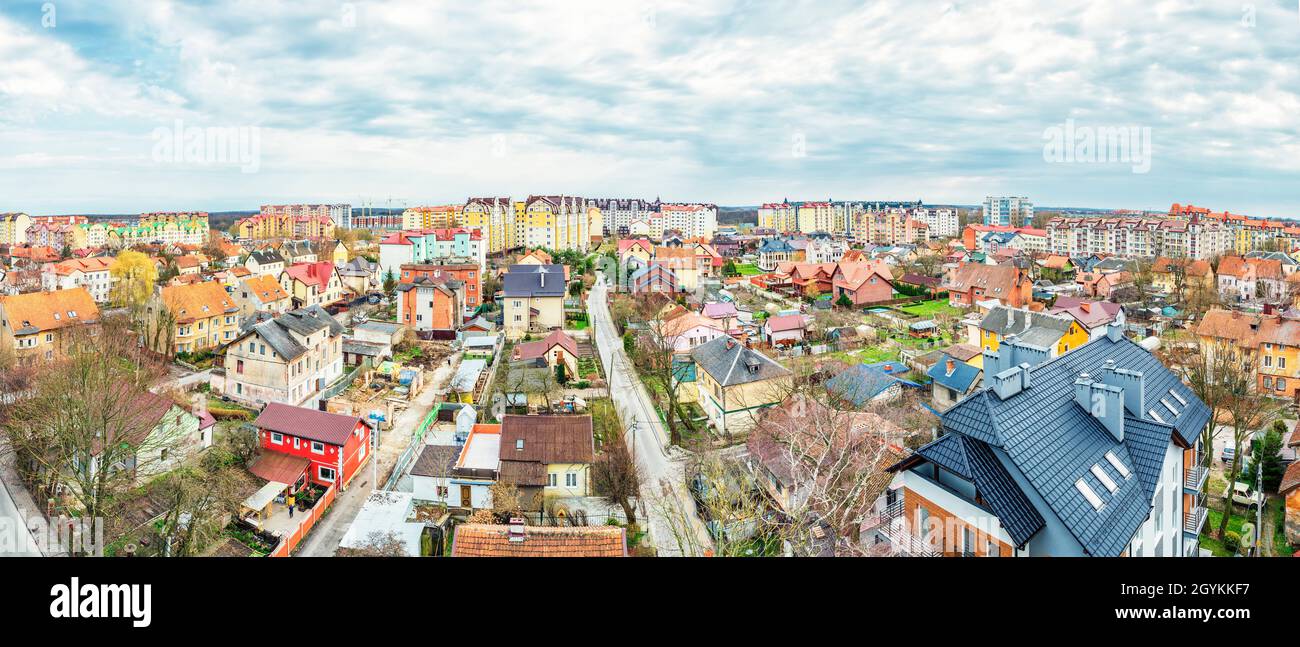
[1008,211]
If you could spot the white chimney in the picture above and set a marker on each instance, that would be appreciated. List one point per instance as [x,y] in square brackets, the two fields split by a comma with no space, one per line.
[517,533]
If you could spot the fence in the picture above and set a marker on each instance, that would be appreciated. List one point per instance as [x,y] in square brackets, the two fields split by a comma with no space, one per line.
[409,454]
[290,542]
[340,385]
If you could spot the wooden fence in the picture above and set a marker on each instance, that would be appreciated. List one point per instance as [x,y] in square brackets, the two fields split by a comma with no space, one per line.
[290,542]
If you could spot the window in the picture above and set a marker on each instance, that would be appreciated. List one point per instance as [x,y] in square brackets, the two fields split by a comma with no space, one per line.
[326,474]
[277,438]
[239,366]
[550,480]
[571,479]
[1088,494]
[297,443]
[442,491]
[317,447]
[1105,478]
[1281,384]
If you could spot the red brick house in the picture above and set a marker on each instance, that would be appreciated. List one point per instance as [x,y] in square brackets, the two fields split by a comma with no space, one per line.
[863,282]
[336,445]
[810,278]
[975,282]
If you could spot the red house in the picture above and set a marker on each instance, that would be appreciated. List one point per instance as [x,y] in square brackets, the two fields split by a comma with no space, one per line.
[336,445]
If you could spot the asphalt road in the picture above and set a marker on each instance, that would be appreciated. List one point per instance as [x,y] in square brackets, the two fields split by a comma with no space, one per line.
[675,527]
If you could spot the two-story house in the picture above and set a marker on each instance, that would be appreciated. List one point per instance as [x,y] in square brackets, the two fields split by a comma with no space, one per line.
[265,262]
[38,325]
[1092,453]
[312,283]
[90,273]
[200,316]
[735,383]
[289,359]
[533,299]
[337,446]
[261,294]
[1056,333]
[551,455]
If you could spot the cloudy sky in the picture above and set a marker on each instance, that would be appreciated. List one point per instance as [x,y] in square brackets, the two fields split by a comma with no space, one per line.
[730,101]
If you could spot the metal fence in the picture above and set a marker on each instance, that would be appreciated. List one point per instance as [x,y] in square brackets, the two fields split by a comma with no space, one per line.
[413,450]
[340,385]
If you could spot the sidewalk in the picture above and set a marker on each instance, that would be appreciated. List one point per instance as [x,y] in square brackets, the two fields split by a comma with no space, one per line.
[12,493]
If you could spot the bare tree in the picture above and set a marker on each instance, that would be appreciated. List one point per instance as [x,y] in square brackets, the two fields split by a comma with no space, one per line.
[377,544]
[1249,410]
[615,473]
[201,500]
[656,351]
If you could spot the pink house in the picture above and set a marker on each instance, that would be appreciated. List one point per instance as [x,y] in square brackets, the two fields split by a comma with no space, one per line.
[686,331]
[783,330]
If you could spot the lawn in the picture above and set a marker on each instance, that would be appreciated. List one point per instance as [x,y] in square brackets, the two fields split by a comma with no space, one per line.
[747,269]
[930,308]
[1212,525]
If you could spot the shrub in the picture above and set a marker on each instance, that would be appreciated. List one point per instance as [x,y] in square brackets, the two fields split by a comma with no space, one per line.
[1231,541]
[221,413]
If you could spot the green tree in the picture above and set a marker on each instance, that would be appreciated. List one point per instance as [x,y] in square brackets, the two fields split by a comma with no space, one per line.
[729,269]
[1269,451]
[561,374]
[844,301]
[390,282]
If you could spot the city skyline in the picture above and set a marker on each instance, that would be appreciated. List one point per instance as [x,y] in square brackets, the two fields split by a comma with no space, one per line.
[697,102]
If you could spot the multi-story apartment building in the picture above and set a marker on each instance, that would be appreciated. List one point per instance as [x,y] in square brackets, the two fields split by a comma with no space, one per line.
[199,316]
[618,214]
[302,221]
[1094,453]
[56,235]
[458,245]
[431,301]
[816,216]
[1139,238]
[89,273]
[469,274]
[691,220]
[1248,234]
[942,223]
[1008,211]
[38,325]
[156,217]
[165,229]
[435,217]
[13,228]
[289,359]
[495,218]
[554,222]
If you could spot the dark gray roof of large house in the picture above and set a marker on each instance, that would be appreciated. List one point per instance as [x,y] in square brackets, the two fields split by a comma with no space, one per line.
[1053,442]
[975,462]
[736,364]
[264,256]
[527,281]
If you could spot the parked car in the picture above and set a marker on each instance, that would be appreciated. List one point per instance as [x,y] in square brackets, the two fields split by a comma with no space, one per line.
[1228,452]
[1243,494]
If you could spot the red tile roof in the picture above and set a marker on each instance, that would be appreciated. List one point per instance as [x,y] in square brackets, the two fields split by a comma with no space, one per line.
[481,540]
[281,468]
[311,424]
[317,274]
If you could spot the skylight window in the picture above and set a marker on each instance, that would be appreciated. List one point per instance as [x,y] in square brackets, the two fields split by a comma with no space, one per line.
[1177,397]
[1088,494]
[1105,478]
[1155,416]
[1115,463]
[1168,406]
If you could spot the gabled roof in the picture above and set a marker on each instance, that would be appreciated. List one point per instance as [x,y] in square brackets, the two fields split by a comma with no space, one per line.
[534,281]
[730,363]
[265,289]
[1053,442]
[312,274]
[194,301]
[304,321]
[310,424]
[1037,328]
[480,540]
[547,439]
[783,323]
[266,256]
[996,280]
[962,377]
[720,310]
[34,312]
[860,383]
[1089,314]
[540,348]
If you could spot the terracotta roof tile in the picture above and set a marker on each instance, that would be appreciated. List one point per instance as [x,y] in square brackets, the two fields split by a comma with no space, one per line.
[481,540]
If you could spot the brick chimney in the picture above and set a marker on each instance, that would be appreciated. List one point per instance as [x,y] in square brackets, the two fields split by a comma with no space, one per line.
[1085,306]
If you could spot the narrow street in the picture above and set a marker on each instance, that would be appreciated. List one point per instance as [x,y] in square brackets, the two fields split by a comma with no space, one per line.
[673,522]
[17,542]
[325,537]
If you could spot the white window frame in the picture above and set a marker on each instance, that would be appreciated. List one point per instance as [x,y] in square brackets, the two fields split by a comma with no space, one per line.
[320,473]
[551,480]
[571,476]
[277,438]
[314,444]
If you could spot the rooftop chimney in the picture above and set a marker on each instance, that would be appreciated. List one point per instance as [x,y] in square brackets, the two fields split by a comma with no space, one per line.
[517,533]
[1131,382]
[1115,332]
[951,366]
[1103,401]
[1085,306]
[1008,383]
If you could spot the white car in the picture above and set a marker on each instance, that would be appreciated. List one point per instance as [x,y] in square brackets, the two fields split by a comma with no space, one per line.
[1242,494]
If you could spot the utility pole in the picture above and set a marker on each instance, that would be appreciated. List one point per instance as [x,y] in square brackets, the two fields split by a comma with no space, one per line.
[1259,508]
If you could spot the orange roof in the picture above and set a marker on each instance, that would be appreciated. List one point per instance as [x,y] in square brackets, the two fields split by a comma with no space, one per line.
[196,301]
[95,264]
[265,288]
[483,540]
[43,311]
[1229,324]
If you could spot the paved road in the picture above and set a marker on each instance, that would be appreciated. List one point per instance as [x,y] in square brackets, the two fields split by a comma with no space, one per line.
[674,526]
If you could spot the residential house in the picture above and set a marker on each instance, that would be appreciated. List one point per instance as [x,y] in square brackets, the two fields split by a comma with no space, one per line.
[775,251]
[1289,489]
[200,316]
[432,475]
[90,273]
[863,283]
[1091,316]
[265,262]
[469,274]
[952,381]
[550,455]
[157,434]
[533,299]
[432,303]
[289,359]
[784,330]
[476,468]
[974,282]
[1278,346]
[1230,331]
[360,276]
[556,349]
[262,294]
[862,385]
[39,326]
[655,278]
[1094,453]
[337,446]
[735,383]
[1105,286]
[311,284]
[724,315]
[518,540]
[296,252]
[810,279]
[1055,334]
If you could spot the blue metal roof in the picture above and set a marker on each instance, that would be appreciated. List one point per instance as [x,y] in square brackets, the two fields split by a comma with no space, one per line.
[963,374]
[1054,442]
[859,384]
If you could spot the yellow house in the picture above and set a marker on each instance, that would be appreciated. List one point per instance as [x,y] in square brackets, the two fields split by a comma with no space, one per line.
[1057,333]
[552,454]
[37,325]
[736,383]
[191,317]
[533,301]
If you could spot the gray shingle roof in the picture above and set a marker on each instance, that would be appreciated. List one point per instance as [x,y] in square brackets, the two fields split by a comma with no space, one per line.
[1037,328]
[737,364]
[527,281]
[304,321]
[1054,442]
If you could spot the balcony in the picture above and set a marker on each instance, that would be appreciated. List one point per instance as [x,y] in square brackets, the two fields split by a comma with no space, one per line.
[1194,518]
[902,542]
[1194,477]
